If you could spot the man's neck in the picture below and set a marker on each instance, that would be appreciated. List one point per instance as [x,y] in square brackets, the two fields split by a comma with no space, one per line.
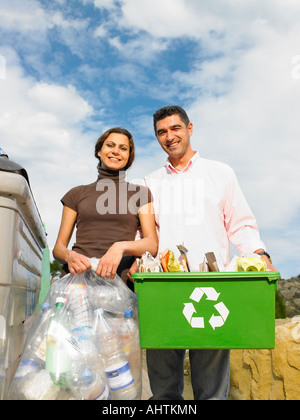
[182,162]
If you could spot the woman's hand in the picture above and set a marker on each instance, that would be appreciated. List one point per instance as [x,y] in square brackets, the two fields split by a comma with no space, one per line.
[77,263]
[109,263]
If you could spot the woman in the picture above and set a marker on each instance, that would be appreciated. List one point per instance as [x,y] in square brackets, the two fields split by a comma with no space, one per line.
[107,214]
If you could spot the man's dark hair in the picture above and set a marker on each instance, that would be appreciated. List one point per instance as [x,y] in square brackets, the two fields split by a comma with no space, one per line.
[168,111]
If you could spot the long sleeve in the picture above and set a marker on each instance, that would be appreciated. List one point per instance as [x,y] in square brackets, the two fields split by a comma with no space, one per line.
[240,223]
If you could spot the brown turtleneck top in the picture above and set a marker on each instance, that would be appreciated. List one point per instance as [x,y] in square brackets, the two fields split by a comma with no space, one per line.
[107,212]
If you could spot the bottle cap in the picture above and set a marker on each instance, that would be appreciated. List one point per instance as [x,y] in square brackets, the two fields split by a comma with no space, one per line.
[128,313]
[60,300]
[45,306]
[86,376]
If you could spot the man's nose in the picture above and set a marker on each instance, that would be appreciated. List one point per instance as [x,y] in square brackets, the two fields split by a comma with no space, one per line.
[169,135]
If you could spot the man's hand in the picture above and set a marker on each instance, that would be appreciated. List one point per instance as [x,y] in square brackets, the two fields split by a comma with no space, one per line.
[267,259]
[133,269]
[269,264]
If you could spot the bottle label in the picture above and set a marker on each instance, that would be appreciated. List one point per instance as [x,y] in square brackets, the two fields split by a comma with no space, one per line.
[104,395]
[41,351]
[82,333]
[119,378]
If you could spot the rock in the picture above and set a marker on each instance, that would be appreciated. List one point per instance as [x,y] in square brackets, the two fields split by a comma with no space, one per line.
[290,291]
[269,374]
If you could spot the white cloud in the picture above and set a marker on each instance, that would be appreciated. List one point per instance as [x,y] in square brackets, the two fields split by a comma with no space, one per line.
[65,103]
[105,4]
[170,18]
[38,130]
[29,24]
[23,15]
[134,49]
[254,127]
[249,97]
[240,83]
[175,18]
[101,31]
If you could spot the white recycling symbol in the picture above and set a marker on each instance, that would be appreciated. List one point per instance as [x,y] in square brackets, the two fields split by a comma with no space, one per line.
[211,295]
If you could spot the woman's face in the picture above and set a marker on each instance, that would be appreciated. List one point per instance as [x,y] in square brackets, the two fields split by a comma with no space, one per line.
[115,152]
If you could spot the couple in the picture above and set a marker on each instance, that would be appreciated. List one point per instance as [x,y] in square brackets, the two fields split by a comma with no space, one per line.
[223,215]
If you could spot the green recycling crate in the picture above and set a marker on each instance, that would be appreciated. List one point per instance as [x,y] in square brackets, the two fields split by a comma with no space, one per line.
[207,310]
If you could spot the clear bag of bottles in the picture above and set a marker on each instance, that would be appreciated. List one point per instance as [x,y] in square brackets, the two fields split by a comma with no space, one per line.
[84,344]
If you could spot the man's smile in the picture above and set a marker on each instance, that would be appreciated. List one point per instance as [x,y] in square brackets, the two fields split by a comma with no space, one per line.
[173,144]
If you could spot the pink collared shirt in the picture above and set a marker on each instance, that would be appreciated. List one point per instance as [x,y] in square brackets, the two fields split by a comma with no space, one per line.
[176,171]
[203,208]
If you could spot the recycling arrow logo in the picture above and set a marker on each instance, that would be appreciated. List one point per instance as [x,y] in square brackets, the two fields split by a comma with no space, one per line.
[211,295]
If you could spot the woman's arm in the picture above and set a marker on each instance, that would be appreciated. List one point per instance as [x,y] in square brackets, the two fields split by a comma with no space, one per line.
[77,263]
[110,261]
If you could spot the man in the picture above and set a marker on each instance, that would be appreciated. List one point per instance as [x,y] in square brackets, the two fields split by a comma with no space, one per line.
[198,203]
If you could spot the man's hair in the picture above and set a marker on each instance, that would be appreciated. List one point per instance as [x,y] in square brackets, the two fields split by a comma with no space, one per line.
[168,111]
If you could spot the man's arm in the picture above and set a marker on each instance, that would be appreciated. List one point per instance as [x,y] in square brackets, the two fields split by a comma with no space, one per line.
[241,224]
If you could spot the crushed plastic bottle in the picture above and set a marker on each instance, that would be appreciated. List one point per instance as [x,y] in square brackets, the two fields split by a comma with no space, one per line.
[117,370]
[37,343]
[85,352]
[91,386]
[39,386]
[130,340]
[116,366]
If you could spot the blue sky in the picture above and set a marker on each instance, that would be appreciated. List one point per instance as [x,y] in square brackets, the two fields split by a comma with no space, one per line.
[69,69]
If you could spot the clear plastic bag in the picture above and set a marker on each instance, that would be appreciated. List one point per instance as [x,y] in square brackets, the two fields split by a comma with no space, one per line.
[68,352]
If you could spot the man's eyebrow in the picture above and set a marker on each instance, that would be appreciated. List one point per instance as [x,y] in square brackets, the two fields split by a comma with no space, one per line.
[171,127]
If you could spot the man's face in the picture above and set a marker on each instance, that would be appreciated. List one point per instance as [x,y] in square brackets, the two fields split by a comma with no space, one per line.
[174,136]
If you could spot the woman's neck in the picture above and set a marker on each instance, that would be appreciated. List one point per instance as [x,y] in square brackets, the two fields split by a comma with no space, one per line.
[116,176]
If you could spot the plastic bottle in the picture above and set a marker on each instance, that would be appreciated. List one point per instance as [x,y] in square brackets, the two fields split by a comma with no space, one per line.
[34,355]
[38,341]
[25,368]
[58,362]
[116,366]
[130,340]
[91,386]
[85,352]
[117,370]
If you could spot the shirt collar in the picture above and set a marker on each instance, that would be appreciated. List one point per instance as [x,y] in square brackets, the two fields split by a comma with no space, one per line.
[191,163]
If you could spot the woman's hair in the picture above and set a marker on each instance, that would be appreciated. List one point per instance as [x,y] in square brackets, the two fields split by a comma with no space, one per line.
[118,130]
